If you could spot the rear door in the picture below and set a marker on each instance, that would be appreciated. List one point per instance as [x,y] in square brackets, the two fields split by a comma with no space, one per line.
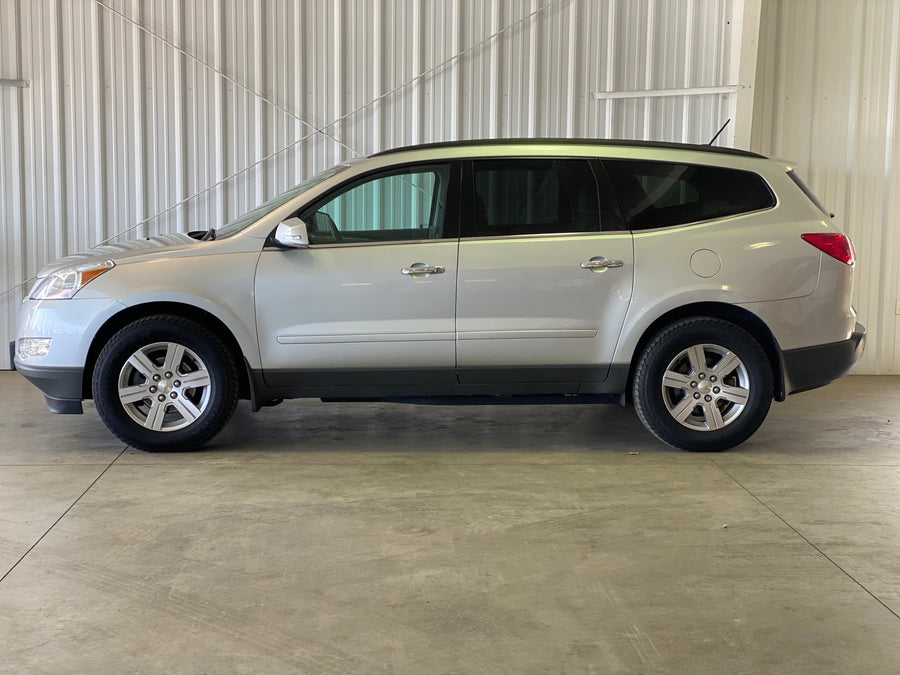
[545,274]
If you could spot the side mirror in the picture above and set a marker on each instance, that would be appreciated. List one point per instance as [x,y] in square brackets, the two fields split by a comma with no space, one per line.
[292,233]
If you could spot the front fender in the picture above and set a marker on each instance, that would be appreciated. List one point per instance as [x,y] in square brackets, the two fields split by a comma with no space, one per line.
[221,285]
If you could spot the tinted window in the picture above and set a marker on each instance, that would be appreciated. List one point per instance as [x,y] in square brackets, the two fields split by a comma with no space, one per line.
[660,194]
[396,206]
[534,196]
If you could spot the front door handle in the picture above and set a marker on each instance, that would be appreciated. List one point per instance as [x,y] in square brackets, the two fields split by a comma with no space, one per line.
[421,268]
[599,262]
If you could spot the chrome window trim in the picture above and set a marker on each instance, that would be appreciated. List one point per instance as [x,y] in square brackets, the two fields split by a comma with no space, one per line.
[546,235]
[382,243]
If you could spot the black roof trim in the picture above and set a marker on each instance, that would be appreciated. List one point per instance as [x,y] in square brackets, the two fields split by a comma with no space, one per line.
[618,143]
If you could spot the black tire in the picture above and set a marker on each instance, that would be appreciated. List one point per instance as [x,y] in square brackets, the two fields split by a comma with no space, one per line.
[711,408]
[186,416]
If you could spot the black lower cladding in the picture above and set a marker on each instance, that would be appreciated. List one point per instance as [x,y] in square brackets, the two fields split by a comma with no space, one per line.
[811,367]
[395,383]
[62,387]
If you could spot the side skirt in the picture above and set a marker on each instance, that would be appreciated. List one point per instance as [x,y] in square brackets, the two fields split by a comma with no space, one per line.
[514,399]
[523,386]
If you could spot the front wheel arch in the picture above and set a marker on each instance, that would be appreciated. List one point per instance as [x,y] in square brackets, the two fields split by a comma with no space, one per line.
[127,316]
[165,383]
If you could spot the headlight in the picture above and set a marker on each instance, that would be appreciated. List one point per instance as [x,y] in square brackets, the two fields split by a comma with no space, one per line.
[67,282]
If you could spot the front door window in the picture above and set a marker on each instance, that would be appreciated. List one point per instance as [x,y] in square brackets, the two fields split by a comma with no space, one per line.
[406,205]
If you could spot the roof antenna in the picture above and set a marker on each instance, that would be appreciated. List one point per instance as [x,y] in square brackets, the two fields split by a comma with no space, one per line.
[720,131]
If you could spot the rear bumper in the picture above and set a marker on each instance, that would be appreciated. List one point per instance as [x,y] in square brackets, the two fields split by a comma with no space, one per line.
[811,367]
[62,387]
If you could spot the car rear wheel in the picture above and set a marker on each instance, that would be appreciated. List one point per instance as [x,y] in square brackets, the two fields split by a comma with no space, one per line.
[703,384]
[165,383]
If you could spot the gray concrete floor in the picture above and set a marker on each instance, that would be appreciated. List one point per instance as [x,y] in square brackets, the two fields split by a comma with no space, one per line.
[344,538]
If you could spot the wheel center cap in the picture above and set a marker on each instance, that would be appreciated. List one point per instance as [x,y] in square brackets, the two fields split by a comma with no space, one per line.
[704,386]
[163,385]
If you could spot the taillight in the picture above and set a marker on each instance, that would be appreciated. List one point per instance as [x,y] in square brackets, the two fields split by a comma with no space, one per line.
[838,246]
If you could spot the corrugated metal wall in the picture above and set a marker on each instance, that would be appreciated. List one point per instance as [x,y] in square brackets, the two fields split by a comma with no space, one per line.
[150,116]
[826,97]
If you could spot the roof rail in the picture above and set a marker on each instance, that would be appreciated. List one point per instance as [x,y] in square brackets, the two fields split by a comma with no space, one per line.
[571,141]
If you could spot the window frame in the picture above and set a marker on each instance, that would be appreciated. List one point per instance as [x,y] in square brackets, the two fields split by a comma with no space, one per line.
[451,208]
[627,222]
[607,207]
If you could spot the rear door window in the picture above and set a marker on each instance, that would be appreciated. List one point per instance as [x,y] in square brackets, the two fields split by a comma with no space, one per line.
[538,196]
[664,194]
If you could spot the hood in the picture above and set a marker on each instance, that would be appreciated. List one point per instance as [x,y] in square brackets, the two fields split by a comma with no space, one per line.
[120,252]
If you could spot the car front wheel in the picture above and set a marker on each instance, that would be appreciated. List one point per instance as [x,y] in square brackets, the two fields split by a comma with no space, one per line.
[165,383]
[702,384]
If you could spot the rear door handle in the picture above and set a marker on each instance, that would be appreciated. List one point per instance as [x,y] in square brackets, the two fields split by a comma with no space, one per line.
[599,262]
[421,268]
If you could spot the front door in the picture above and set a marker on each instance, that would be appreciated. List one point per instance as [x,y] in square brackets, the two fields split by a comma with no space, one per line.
[371,302]
[545,275]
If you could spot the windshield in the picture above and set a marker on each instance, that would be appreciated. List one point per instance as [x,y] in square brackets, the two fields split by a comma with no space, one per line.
[248,219]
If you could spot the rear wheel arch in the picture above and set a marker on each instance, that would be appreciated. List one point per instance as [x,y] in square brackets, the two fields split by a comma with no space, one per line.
[702,384]
[738,316]
[127,316]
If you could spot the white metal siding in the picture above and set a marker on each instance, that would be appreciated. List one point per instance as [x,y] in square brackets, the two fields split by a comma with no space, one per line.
[155,116]
[826,98]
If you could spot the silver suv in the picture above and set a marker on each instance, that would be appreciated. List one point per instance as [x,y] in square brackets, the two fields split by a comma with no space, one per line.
[698,282]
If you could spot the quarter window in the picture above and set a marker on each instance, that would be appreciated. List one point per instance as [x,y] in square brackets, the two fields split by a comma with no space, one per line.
[401,205]
[534,196]
[662,194]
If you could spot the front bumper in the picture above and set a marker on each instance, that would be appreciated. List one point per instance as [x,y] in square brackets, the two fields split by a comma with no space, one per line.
[72,324]
[62,387]
[811,367]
